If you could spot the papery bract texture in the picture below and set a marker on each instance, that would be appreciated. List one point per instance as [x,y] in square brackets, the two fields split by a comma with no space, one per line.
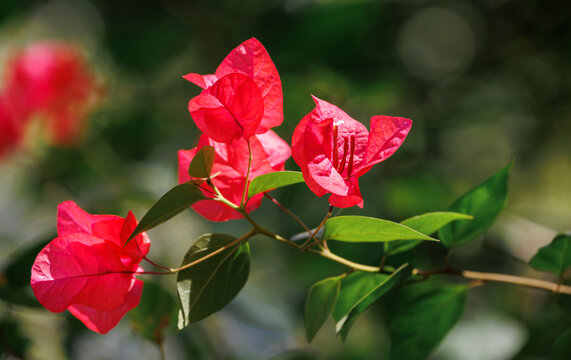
[87,270]
[333,150]
[231,106]
[52,80]
[230,168]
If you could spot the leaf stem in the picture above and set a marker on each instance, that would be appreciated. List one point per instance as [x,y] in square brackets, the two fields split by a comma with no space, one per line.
[353,265]
[239,240]
[496,277]
[284,209]
[155,264]
[247,175]
[306,244]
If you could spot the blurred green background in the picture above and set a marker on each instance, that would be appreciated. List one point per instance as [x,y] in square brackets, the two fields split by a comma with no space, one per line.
[484,81]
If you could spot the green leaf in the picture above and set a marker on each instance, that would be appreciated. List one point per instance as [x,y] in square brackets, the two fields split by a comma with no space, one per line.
[421,324]
[427,224]
[368,229]
[554,257]
[273,180]
[561,349]
[201,164]
[320,302]
[208,286]
[170,204]
[485,202]
[155,312]
[361,290]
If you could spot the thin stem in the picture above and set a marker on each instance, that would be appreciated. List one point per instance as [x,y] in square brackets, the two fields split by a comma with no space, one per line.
[306,245]
[479,277]
[161,345]
[383,260]
[156,265]
[495,277]
[245,192]
[221,198]
[353,265]
[284,209]
[261,230]
[242,238]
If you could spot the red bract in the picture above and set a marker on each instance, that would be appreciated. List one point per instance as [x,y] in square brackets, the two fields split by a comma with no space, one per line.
[87,270]
[269,153]
[242,98]
[333,150]
[52,80]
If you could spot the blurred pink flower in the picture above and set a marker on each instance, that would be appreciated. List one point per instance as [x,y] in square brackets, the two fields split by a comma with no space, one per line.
[333,150]
[87,270]
[11,126]
[242,98]
[52,79]
[269,153]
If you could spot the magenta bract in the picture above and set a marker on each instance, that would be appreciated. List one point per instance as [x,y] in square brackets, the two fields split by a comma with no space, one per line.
[333,150]
[87,270]
[269,153]
[242,98]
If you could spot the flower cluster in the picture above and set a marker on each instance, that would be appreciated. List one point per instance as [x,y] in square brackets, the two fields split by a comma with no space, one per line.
[90,271]
[51,81]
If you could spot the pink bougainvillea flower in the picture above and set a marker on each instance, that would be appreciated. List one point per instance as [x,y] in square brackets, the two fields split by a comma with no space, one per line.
[333,150]
[52,79]
[87,270]
[269,153]
[242,98]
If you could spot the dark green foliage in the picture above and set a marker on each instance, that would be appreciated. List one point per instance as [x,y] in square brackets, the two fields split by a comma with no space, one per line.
[555,257]
[201,164]
[484,202]
[361,290]
[209,285]
[170,204]
[320,302]
[420,325]
[156,311]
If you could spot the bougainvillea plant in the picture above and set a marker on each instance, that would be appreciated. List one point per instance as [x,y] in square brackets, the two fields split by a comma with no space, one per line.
[92,267]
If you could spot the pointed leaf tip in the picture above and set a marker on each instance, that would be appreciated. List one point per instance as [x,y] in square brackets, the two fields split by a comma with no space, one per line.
[320,301]
[170,204]
[201,165]
[273,180]
[485,202]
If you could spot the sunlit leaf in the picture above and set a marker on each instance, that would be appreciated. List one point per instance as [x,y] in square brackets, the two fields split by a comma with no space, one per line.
[170,204]
[320,302]
[427,224]
[208,286]
[361,290]
[485,202]
[201,164]
[155,312]
[273,180]
[554,257]
[420,325]
[368,229]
